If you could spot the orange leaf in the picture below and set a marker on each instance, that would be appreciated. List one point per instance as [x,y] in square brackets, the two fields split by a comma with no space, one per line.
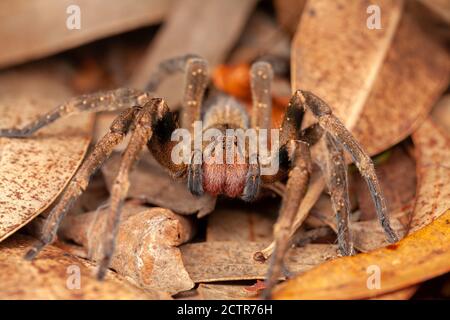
[422,255]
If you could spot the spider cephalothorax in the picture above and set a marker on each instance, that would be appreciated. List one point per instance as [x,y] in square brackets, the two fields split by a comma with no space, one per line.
[221,165]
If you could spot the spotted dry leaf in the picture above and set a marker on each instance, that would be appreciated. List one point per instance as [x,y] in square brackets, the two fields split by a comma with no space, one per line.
[52,276]
[418,257]
[146,246]
[152,184]
[33,171]
[432,147]
[227,261]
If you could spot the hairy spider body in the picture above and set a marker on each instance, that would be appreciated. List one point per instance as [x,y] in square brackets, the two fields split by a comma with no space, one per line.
[150,122]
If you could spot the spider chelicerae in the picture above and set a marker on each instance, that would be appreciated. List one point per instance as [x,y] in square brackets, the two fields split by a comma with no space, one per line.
[150,122]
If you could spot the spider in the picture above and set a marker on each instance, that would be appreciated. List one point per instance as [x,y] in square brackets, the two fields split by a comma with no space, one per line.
[150,122]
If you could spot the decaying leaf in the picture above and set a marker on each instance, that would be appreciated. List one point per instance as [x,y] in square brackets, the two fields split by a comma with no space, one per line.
[43,38]
[34,171]
[420,256]
[215,291]
[397,178]
[432,147]
[152,184]
[54,276]
[146,250]
[194,26]
[226,260]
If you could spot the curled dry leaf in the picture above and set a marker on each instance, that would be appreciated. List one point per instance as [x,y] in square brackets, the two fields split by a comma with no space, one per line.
[35,170]
[146,245]
[54,276]
[432,147]
[230,260]
[418,257]
[151,183]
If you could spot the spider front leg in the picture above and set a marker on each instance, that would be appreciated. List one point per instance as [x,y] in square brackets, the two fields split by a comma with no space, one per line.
[300,159]
[151,113]
[79,182]
[261,75]
[334,127]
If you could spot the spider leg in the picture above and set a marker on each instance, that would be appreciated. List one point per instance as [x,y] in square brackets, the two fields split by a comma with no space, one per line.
[155,108]
[338,186]
[196,81]
[161,144]
[79,182]
[295,191]
[101,101]
[333,126]
[261,75]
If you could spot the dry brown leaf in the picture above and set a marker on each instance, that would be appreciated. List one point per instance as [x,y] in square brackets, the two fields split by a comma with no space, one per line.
[213,291]
[441,113]
[226,260]
[397,178]
[20,42]
[336,56]
[209,29]
[289,13]
[418,257]
[34,171]
[151,183]
[146,247]
[432,147]
[239,224]
[49,276]
[395,107]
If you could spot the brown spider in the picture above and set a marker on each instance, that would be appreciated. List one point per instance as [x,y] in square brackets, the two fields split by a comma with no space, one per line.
[150,122]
